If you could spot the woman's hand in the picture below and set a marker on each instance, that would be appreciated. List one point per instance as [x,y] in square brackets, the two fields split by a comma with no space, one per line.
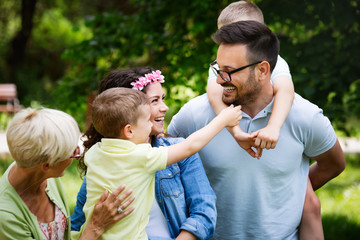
[107,211]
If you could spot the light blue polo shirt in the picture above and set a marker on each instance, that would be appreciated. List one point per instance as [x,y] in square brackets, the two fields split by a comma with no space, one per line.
[259,199]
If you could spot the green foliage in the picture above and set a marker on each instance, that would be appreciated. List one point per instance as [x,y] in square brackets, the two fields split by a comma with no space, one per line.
[320,46]
[5,119]
[37,76]
[163,35]
[320,43]
[52,35]
[319,40]
[9,21]
[339,202]
[54,25]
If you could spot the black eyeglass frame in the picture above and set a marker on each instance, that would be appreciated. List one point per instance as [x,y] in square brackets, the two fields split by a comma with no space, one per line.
[218,71]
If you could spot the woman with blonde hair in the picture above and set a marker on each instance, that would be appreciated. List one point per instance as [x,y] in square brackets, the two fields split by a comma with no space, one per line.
[43,143]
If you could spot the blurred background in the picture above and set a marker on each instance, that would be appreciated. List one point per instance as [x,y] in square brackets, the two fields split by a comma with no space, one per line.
[57,51]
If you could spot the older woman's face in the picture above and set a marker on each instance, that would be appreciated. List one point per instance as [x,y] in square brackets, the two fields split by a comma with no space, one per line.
[158,107]
[59,169]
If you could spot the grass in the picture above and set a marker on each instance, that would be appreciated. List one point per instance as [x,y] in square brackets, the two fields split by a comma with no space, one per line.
[339,198]
[4,120]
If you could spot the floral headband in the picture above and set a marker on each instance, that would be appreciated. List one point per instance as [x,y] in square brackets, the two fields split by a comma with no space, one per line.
[153,77]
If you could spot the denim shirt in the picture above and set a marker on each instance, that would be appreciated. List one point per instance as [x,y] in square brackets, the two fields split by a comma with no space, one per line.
[183,193]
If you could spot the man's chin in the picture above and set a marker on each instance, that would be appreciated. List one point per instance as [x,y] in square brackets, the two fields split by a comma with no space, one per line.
[227,100]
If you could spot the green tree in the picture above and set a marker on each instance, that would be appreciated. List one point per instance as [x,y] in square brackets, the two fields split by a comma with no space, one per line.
[319,40]
[33,36]
[320,46]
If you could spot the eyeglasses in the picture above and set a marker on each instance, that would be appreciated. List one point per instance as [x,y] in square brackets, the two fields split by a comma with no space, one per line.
[77,153]
[226,75]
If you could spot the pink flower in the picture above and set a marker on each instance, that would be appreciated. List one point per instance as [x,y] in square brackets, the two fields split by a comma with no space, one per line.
[155,76]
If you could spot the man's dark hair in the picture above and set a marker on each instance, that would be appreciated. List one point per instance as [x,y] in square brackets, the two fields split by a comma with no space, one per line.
[261,42]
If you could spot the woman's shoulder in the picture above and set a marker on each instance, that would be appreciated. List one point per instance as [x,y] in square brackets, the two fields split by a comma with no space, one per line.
[11,204]
[5,186]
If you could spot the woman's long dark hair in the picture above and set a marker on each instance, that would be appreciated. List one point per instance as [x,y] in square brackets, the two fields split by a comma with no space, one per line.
[116,78]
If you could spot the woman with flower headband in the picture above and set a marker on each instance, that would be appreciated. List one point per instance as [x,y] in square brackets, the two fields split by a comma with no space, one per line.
[185,202]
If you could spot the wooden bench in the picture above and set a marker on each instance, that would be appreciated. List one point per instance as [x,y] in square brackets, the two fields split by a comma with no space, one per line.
[9,102]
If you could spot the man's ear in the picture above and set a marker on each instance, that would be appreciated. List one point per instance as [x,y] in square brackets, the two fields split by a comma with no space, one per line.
[263,70]
[127,131]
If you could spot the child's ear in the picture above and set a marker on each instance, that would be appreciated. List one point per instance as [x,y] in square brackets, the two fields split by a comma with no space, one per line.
[127,131]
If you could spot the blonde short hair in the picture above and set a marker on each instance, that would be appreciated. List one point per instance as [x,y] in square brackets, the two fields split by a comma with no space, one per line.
[114,108]
[240,11]
[37,136]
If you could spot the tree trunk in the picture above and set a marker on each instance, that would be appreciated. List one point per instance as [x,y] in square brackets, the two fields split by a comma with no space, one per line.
[18,44]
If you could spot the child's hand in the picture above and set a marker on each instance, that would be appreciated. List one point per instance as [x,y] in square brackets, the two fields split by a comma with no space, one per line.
[240,135]
[248,147]
[231,115]
[267,137]
[246,141]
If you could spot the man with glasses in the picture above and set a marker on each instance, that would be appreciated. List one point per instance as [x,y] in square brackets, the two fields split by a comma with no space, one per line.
[259,199]
[283,86]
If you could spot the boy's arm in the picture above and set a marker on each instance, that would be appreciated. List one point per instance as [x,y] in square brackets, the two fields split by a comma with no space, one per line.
[284,96]
[214,92]
[229,117]
[245,140]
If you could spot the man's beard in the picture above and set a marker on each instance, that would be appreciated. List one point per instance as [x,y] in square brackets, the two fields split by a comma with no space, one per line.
[250,90]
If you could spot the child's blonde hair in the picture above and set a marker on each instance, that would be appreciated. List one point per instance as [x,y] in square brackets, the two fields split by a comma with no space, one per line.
[114,108]
[240,11]
[37,136]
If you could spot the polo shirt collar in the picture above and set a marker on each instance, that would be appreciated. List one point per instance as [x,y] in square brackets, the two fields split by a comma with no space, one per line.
[264,112]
